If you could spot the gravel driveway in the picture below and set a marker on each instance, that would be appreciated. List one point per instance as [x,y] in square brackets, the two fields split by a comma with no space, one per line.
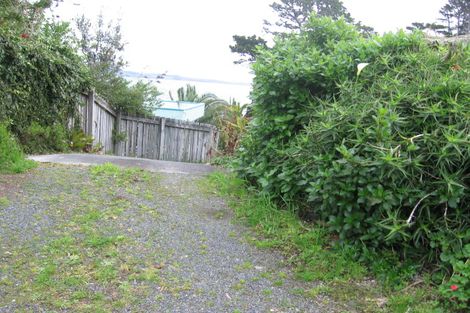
[102,239]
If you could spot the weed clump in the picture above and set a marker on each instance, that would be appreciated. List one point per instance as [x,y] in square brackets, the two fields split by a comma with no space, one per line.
[12,159]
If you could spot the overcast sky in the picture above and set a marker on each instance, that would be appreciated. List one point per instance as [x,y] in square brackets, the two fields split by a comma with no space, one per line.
[192,38]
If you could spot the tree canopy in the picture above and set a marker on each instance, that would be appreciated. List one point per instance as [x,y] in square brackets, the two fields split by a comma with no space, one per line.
[292,16]
[454,20]
[246,47]
[102,44]
[23,15]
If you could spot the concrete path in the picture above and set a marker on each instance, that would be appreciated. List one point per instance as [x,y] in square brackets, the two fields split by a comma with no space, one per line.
[147,164]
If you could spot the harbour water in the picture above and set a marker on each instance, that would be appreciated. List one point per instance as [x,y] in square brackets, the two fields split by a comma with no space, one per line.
[225,90]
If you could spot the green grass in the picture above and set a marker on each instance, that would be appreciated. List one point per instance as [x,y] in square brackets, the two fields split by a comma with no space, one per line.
[12,159]
[4,202]
[121,177]
[316,256]
[244,266]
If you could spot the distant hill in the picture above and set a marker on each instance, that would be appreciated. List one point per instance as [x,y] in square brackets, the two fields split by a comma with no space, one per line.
[131,74]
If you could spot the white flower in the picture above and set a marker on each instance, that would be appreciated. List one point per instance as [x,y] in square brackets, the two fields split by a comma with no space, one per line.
[360,67]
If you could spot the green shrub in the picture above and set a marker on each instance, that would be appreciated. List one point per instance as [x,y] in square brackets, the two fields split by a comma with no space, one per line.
[79,141]
[11,157]
[382,157]
[37,139]
[457,289]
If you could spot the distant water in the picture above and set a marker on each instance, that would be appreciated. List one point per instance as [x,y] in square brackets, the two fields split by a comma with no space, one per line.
[226,91]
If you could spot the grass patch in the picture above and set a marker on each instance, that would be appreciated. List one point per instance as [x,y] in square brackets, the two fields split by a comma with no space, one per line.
[122,177]
[12,159]
[317,257]
[244,266]
[4,202]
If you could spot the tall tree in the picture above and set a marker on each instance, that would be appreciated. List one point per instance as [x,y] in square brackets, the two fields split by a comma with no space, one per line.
[292,14]
[455,20]
[102,45]
[456,17]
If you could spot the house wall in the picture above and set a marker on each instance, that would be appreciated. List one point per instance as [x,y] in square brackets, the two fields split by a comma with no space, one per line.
[180,110]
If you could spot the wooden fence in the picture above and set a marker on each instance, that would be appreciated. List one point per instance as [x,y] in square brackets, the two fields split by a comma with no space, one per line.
[156,138]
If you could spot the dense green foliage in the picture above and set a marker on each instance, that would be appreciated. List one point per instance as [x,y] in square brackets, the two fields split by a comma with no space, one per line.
[81,142]
[39,139]
[231,123]
[41,76]
[139,99]
[11,157]
[382,158]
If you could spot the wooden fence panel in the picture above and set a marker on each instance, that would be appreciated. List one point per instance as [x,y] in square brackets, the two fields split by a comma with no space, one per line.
[156,138]
[103,126]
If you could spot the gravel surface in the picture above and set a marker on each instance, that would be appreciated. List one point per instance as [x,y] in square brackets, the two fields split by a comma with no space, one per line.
[182,250]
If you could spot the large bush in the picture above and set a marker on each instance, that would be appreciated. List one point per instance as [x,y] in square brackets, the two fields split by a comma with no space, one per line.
[382,157]
[41,77]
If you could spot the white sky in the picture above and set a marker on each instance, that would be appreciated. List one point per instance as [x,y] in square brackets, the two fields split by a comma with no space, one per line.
[192,38]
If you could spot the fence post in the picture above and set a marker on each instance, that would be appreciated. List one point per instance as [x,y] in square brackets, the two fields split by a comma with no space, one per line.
[162,138]
[210,150]
[216,140]
[117,133]
[89,119]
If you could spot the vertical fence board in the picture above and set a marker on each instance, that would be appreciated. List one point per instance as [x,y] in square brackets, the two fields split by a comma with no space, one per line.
[194,145]
[129,137]
[199,147]
[186,145]
[138,140]
[157,141]
[134,139]
[203,146]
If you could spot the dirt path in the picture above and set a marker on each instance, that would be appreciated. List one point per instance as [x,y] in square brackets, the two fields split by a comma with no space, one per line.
[104,239]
